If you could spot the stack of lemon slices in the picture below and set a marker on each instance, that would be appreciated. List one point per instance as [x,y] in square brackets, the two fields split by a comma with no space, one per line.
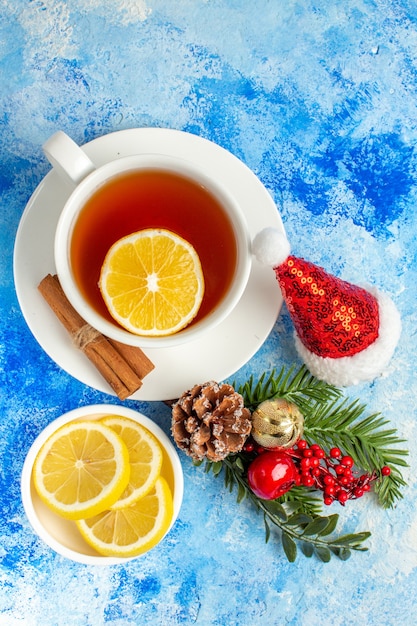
[106,475]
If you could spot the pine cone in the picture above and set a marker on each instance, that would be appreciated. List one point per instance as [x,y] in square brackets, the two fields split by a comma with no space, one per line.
[210,421]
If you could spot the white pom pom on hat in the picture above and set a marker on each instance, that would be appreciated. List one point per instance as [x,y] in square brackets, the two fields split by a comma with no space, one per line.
[271,247]
[345,334]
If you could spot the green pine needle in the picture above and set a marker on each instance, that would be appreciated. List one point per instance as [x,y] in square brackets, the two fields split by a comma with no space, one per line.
[300,387]
[366,440]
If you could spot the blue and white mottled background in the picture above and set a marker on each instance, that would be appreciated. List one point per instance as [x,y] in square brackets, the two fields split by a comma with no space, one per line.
[319,99]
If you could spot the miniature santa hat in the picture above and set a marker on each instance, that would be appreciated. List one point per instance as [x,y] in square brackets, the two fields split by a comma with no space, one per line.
[345,334]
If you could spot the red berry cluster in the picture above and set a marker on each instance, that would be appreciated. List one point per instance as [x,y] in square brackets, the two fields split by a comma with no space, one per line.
[330,474]
[272,472]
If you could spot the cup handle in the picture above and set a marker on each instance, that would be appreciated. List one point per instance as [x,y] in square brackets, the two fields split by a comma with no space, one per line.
[67,158]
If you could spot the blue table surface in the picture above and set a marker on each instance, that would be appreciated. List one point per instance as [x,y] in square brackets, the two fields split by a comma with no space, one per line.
[319,99]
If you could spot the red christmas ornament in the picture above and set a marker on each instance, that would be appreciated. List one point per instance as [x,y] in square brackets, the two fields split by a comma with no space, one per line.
[271,474]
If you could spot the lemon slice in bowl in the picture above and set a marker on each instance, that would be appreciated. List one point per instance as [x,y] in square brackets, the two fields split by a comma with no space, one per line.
[81,469]
[145,455]
[152,282]
[134,529]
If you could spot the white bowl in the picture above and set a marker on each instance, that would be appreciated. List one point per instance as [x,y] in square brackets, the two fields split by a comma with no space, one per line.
[62,535]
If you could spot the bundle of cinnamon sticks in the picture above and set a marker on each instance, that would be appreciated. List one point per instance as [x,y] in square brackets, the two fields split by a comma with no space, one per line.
[123,366]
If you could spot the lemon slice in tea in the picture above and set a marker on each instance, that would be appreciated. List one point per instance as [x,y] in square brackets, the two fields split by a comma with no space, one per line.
[82,469]
[152,282]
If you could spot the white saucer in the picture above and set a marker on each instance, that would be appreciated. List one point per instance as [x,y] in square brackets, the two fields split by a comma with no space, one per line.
[224,349]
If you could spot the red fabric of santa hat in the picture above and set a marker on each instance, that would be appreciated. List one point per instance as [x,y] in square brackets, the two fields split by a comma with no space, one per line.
[344,333]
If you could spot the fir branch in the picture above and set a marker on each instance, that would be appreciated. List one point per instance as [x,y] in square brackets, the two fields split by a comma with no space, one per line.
[310,530]
[332,420]
[300,387]
[366,440]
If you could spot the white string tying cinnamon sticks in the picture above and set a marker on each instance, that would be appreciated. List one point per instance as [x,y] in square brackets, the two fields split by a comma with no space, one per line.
[85,335]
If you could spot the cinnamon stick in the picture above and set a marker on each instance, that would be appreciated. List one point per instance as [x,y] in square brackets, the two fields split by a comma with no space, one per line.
[123,367]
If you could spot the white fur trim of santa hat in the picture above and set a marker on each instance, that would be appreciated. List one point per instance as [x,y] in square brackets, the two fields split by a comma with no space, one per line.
[365,365]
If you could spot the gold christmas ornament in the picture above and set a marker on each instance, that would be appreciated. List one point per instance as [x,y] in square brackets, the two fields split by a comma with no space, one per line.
[277,424]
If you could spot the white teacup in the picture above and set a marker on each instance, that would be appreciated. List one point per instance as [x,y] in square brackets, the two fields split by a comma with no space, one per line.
[72,164]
